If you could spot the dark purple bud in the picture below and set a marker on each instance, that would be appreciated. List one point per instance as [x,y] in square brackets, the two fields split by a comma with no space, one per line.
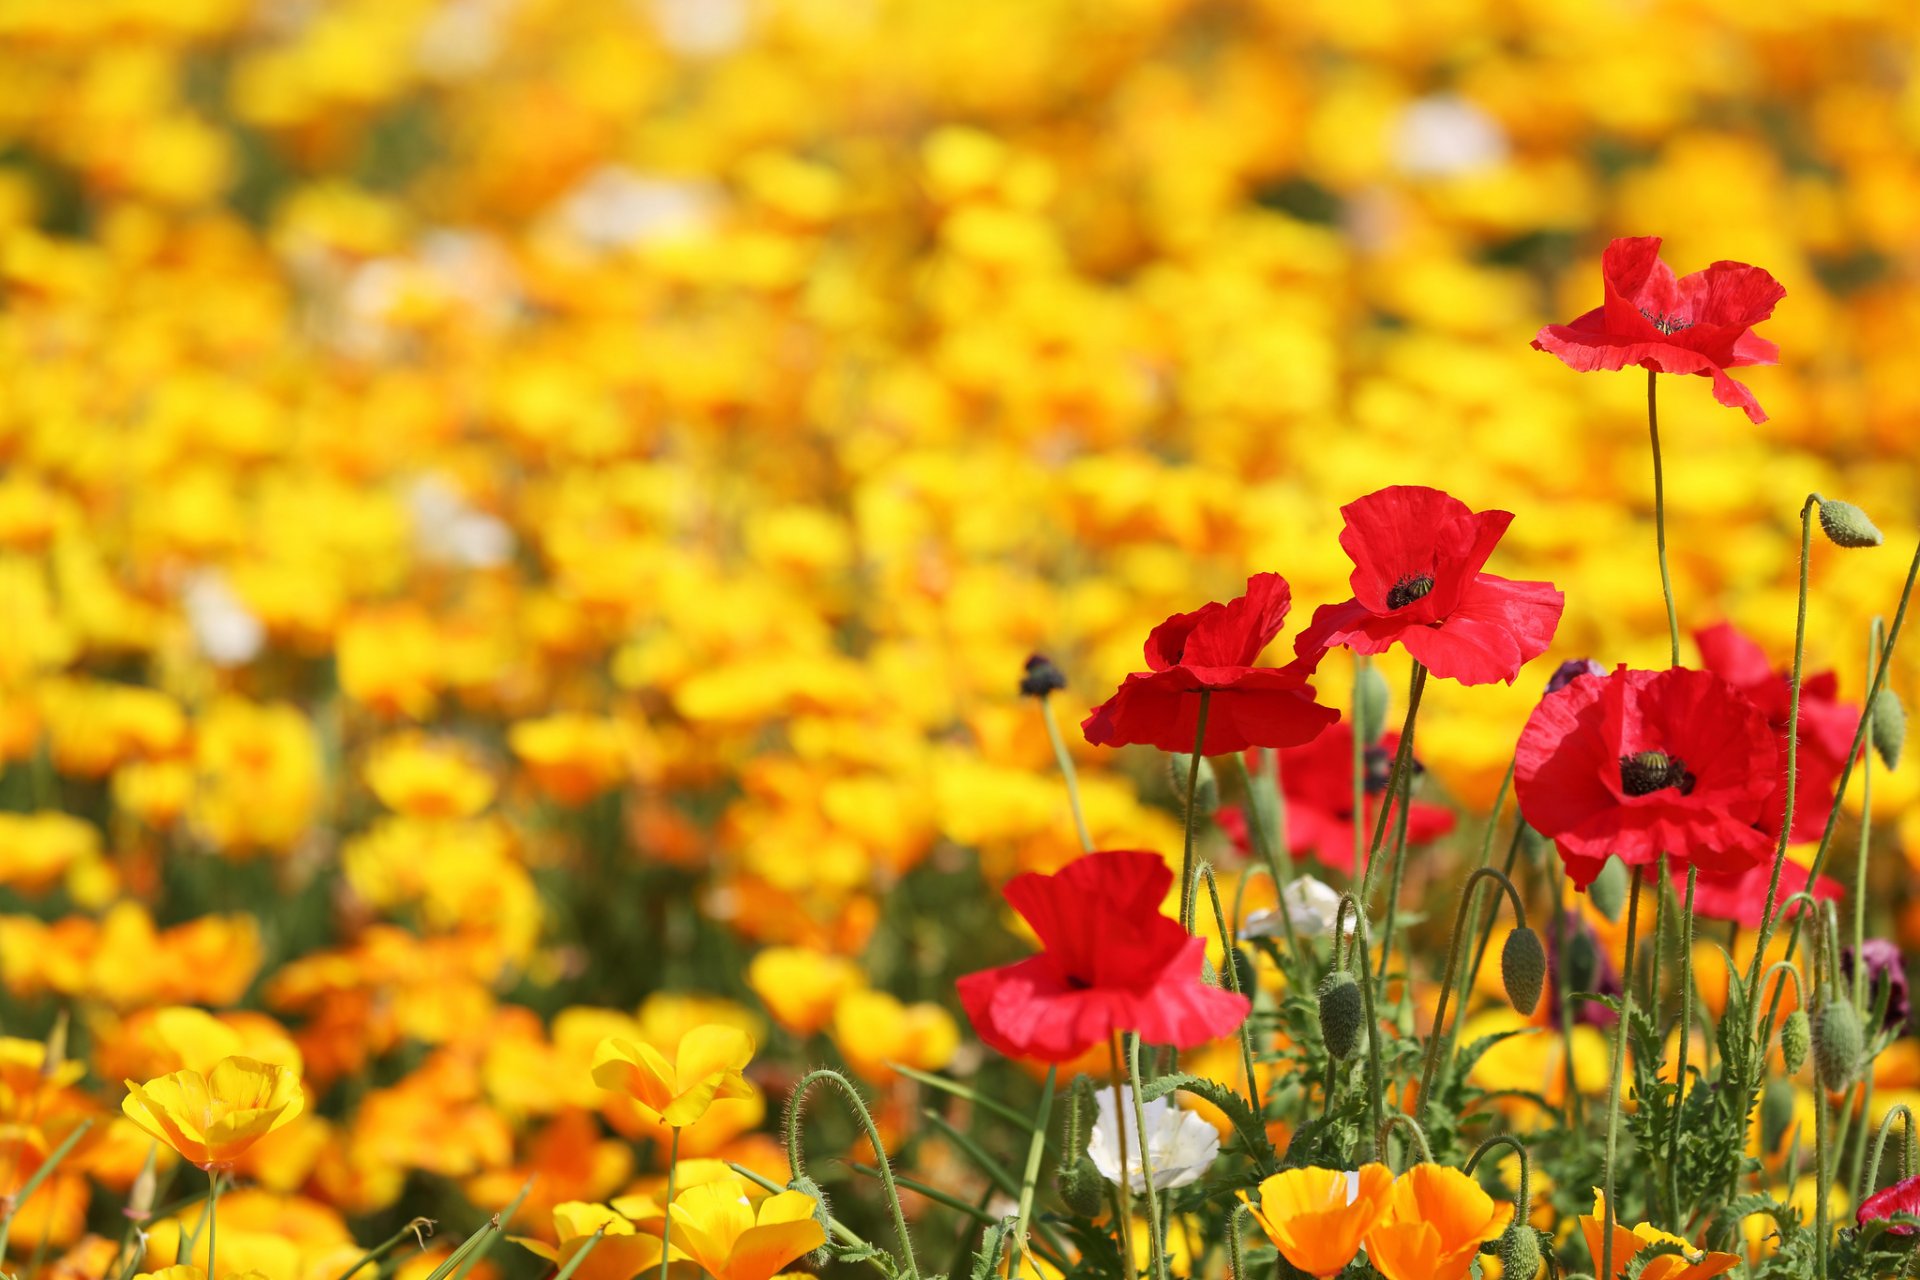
[1041,678]
[1572,669]
[1885,964]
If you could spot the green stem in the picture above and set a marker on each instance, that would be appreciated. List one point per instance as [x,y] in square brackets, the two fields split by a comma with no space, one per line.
[1437,1033]
[1035,1146]
[1400,1120]
[1067,773]
[1156,1241]
[573,1263]
[1523,1201]
[859,1107]
[1871,1181]
[1660,515]
[1123,1186]
[1686,1039]
[213,1220]
[1401,774]
[1866,838]
[1613,1088]
[1398,860]
[1822,1159]
[1270,844]
[1230,945]
[1564,989]
[1193,783]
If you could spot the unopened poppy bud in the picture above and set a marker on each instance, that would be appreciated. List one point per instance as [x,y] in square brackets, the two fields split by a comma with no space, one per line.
[1041,677]
[1206,788]
[1837,1044]
[1889,727]
[1519,1252]
[1342,1011]
[1581,959]
[1795,1038]
[1847,525]
[1082,1188]
[1609,889]
[1523,968]
[821,1213]
[1370,700]
[1776,1113]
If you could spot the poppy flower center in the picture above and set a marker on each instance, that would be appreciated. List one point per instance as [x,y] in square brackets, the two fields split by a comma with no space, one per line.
[1646,772]
[1409,589]
[1666,323]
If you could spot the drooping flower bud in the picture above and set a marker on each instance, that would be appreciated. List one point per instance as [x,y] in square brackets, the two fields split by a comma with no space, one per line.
[1342,1012]
[1837,1043]
[1206,788]
[1609,889]
[1847,525]
[1796,1037]
[1371,699]
[1777,1108]
[1889,727]
[1523,968]
[1519,1252]
[1040,677]
[1082,1188]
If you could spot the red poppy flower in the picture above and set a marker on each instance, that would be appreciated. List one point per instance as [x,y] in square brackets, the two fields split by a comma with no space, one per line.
[1826,724]
[1702,323]
[1742,895]
[1317,783]
[1641,763]
[1416,580]
[1112,961]
[1901,1197]
[1212,650]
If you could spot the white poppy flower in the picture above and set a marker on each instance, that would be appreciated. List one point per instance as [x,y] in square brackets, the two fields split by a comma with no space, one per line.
[1312,905]
[1180,1144]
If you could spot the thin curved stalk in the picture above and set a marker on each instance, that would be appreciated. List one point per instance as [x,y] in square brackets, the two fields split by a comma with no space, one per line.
[859,1107]
[1660,513]
[1613,1089]
[1436,1033]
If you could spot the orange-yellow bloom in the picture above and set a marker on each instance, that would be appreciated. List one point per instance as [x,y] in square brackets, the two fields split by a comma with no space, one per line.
[212,1119]
[622,1253]
[1317,1218]
[706,1067]
[1436,1219]
[1691,1264]
[719,1229]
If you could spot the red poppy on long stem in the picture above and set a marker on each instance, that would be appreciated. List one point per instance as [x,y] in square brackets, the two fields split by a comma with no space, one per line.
[1211,651]
[1641,763]
[1701,323]
[1417,555]
[1111,962]
[1901,1197]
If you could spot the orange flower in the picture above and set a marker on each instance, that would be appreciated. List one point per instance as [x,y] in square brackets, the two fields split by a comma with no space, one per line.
[1436,1219]
[718,1228]
[1692,1264]
[706,1066]
[621,1254]
[212,1119]
[1317,1218]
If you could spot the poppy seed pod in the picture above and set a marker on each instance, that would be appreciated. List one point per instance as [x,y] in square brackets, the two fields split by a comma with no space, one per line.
[1795,1038]
[1206,787]
[1776,1113]
[1342,1011]
[1370,701]
[1847,525]
[1082,1188]
[1523,968]
[1519,1252]
[1040,677]
[1837,1043]
[1609,889]
[1889,727]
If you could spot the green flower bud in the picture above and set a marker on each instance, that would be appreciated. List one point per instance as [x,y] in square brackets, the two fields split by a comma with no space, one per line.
[1581,958]
[821,1213]
[1523,968]
[1206,788]
[1243,970]
[1342,1012]
[1370,701]
[1776,1113]
[1519,1252]
[1796,1036]
[1609,889]
[1847,525]
[1082,1188]
[1837,1043]
[1889,727]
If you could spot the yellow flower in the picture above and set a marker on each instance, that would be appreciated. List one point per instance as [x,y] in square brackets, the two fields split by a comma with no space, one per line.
[422,778]
[1436,1219]
[872,1030]
[706,1067]
[1317,1218]
[621,1254]
[212,1119]
[719,1228]
[801,986]
[1690,1264]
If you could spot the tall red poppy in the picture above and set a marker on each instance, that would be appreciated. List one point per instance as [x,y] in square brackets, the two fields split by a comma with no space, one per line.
[1826,724]
[1741,896]
[1212,650]
[1416,580]
[1316,781]
[1111,961]
[1702,323]
[1641,763]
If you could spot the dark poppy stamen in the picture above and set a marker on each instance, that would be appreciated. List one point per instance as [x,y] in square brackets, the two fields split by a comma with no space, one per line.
[1646,772]
[1409,589]
[1666,323]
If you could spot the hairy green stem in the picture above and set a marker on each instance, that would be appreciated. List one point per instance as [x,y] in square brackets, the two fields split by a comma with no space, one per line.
[1068,773]
[1400,778]
[1686,1040]
[1035,1147]
[1193,783]
[1613,1088]
[1660,514]
[858,1105]
[1436,1033]
[1155,1229]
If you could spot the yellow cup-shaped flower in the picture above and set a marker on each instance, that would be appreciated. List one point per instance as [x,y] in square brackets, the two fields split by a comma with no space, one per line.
[1436,1219]
[1693,1264]
[1317,1218]
[720,1229]
[621,1254]
[706,1066]
[212,1119]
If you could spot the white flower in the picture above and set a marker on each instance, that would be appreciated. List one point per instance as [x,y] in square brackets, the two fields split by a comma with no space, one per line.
[1180,1144]
[224,630]
[616,207]
[1445,134]
[447,530]
[1311,905]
